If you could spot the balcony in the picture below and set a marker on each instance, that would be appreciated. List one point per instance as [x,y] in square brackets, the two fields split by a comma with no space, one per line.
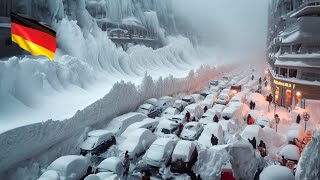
[306,9]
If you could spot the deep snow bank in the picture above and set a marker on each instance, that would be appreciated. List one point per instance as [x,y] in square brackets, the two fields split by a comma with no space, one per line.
[29,142]
[309,163]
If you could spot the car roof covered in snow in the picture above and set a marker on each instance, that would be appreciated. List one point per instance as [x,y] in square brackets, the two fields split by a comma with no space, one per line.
[193,123]
[152,101]
[129,115]
[230,110]
[99,133]
[276,172]
[253,131]
[133,139]
[146,106]
[50,175]
[180,102]
[209,129]
[65,164]
[218,107]
[110,164]
[191,107]
[290,151]
[171,110]
[140,124]
[183,150]
[165,98]
[162,141]
[167,124]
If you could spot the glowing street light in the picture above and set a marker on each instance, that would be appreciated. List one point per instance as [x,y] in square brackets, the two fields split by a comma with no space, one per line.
[298,93]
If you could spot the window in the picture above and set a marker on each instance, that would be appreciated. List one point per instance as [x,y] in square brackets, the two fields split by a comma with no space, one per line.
[310,76]
[277,70]
[283,72]
[293,73]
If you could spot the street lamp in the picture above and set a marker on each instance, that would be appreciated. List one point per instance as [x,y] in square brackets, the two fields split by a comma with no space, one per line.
[306,118]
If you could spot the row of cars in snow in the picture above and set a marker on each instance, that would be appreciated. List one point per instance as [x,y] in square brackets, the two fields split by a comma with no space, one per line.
[153,135]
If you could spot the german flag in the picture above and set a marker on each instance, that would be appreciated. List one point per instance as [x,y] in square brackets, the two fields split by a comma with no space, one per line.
[32,36]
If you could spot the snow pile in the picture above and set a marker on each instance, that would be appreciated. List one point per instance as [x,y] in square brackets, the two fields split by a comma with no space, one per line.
[253,131]
[290,151]
[210,162]
[211,128]
[295,131]
[183,150]
[309,163]
[244,160]
[272,138]
[276,172]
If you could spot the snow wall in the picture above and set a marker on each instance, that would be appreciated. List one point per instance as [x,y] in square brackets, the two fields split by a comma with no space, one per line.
[43,142]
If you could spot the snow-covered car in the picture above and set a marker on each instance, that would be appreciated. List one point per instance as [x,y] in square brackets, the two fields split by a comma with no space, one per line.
[180,105]
[152,101]
[137,142]
[69,167]
[149,110]
[191,131]
[263,121]
[107,176]
[290,152]
[97,142]
[160,152]
[208,116]
[112,165]
[165,102]
[232,113]
[276,172]
[226,91]
[223,99]
[147,123]
[170,112]
[195,111]
[214,83]
[167,127]
[184,156]
[120,123]
[295,131]
[178,118]
[197,97]
[253,131]
[239,97]
[218,108]
[205,137]
[189,99]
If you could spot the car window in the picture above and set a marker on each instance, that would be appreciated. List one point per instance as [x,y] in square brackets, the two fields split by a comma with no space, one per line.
[165,131]
[189,127]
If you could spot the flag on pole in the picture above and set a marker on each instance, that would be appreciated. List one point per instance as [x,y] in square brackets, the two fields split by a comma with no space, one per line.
[32,36]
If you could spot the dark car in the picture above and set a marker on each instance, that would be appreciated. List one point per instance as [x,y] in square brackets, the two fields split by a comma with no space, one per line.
[97,142]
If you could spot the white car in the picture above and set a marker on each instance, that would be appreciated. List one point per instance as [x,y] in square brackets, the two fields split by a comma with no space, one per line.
[165,102]
[137,142]
[149,110]
[211,128]
[232,113]
[147,123]
[253,131]
[69,167]
[112,165]
[152,101]
[160,152]
[184,156]
[218,108]
[166,128]
[189,99]
[197,97]
[178,118]
[208,116]
[223,99]
[170,112]
[240,97]
[263,121]
[191,131]
[120,123]
[180,105]
[97,142]
[195,110]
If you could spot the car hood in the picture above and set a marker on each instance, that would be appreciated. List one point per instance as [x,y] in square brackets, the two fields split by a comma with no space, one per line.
[188,133]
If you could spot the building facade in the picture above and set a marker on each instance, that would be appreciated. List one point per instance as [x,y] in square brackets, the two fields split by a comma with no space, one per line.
[294,54]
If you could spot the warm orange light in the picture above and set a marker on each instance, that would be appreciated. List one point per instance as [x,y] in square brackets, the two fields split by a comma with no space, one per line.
[234,91]
[298,93]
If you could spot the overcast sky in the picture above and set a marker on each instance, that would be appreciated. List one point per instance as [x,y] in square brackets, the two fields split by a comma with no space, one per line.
[233,23]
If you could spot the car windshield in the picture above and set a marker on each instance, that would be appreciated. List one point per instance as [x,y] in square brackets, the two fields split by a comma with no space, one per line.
[145,109]
[187,99]
[190,127]
[165,131]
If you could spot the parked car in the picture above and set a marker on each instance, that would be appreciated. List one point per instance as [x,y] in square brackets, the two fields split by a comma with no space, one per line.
[253,131]
[195,110]
[184,156]
[113,165]
[167,127]
[120,123]
[263,121]
[165,102]
[223,99]
[208,116]
[232,113]
[240,97]
[180,105]
[189,99]
[227,91]
[197,97]
[214,83]
[218,108]
[147,123]
[137,142]
[160,152]
[149,110]
[205,137]
[152,101]
[170,112]
[191,131]
[69,167]
[178,118]
[97,142]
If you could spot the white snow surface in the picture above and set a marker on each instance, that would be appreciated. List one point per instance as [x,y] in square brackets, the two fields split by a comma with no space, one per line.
[309,163]
[183,150]
[276,172]
[205,137]
[290,151]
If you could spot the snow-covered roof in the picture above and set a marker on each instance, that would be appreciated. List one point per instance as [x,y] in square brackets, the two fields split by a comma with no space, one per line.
[99,133]
[133,139]
[129,115]
[290,151]
[152,101]
[104,175]
[276,172]
[167,124]
[209,129]
[183,150]
[142,124]
[171,110]
[146,106]
[162,141]
[191,107]
[295,131]
[302,60]
[110,164]
[219,107]
[50,175]
[229,111]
